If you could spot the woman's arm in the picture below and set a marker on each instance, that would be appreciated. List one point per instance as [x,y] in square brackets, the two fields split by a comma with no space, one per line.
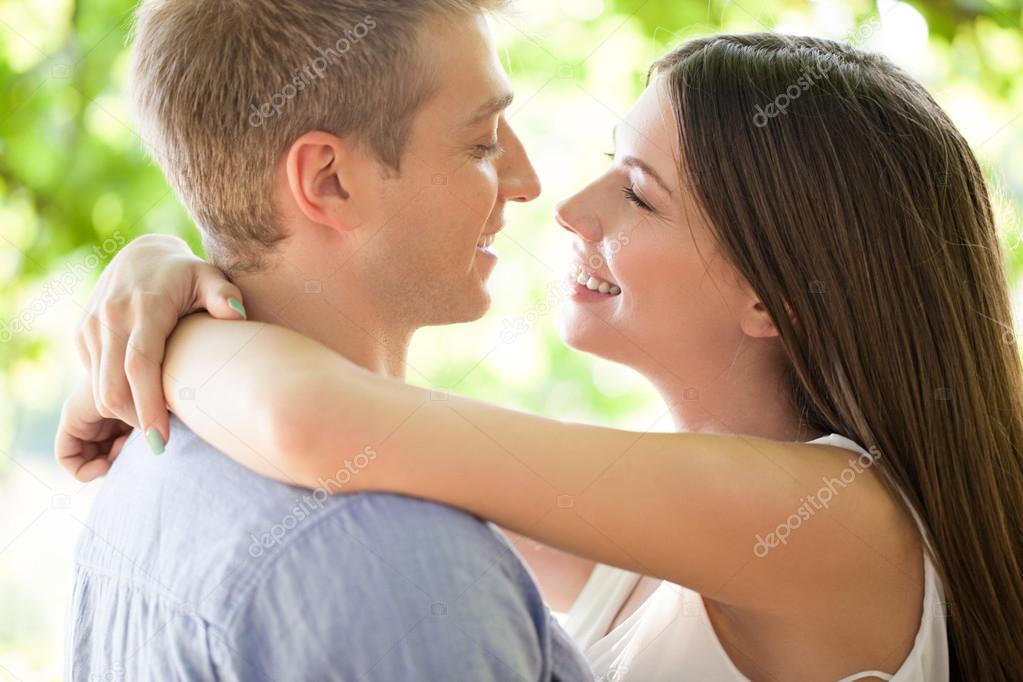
[689,508]
[150,283]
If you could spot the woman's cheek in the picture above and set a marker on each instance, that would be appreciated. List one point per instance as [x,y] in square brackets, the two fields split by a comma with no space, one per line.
[641,267]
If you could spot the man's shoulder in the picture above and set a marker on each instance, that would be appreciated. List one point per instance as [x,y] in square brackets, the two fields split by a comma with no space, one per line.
[383,544]
[352,584]
[391,537]
[215,532]
[404,584]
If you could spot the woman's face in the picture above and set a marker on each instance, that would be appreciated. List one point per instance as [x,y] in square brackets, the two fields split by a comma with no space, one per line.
[672,307]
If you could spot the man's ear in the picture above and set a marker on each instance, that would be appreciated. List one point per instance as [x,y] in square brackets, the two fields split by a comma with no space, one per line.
[323,178]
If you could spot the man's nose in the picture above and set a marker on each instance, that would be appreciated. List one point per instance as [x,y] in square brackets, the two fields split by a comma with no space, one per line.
[518,179]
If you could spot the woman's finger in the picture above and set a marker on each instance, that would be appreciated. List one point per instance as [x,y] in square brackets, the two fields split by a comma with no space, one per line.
[92,469]
[114,400]
[93,345]
[218,295]
[143,367]
[117,446]
[85,339]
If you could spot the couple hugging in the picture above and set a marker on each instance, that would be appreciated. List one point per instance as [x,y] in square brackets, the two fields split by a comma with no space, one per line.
[308,515]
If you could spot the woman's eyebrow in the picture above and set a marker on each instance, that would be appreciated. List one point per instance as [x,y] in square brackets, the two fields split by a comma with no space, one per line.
[640,165]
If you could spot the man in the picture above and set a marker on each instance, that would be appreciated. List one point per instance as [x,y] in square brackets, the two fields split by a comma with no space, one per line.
[348,163]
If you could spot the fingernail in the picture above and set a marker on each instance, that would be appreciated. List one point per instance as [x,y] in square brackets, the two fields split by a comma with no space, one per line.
[155,441]
[236,305]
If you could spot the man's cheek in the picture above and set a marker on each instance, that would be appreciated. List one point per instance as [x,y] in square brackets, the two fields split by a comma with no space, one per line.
[476,184]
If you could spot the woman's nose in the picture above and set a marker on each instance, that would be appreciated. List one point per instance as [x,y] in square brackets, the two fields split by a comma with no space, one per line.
[572,215]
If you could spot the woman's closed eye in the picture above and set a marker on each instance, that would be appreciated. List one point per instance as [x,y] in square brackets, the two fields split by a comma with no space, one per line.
[630,192]
[635,199]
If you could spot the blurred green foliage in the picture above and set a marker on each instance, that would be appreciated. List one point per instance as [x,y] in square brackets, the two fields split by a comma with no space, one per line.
[75,184]
[72,171]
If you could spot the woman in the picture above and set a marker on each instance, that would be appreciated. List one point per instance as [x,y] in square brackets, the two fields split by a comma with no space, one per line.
[801,272]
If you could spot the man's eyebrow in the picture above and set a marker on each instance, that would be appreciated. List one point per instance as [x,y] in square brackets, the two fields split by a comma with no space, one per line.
[489,108]
[642,166]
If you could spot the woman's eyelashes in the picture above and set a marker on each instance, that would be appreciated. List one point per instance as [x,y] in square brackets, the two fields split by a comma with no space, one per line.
[630,192]
[635,199]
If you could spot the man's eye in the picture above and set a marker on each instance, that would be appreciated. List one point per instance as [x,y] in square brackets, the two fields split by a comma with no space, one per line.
[634,199]
[485,151]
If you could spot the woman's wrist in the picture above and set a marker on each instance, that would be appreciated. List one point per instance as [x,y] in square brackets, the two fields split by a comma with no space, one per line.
[319,419]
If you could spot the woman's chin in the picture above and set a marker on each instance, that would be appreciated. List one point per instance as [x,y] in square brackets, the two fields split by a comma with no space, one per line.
[583,333]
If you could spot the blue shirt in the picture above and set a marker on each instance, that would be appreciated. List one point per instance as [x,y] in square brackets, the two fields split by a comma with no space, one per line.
[195,568]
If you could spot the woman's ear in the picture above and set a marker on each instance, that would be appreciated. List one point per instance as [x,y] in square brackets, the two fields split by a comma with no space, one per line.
[757,322]
[322,171]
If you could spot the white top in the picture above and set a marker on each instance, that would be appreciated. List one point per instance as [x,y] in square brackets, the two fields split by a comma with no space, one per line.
[670,637]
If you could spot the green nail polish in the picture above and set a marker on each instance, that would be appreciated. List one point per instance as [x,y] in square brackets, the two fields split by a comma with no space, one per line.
[155,441]
[236,305]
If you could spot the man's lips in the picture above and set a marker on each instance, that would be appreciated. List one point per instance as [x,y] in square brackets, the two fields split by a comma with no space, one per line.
[487,238]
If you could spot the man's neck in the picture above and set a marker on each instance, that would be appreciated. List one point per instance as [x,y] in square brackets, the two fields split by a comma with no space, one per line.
[331,315]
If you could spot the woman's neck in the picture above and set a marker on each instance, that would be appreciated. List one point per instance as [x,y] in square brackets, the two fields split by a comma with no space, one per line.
[759,407]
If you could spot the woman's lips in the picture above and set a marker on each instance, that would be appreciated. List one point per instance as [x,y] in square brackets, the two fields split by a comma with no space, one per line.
[591,282]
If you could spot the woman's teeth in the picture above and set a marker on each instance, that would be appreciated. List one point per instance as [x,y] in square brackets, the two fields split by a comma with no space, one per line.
[486,241]
[595,283]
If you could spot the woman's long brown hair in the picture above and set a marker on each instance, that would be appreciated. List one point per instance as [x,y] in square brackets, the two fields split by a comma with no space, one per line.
[840,189]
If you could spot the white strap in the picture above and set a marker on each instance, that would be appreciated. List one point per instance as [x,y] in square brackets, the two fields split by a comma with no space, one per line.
[603,596]
[868,673]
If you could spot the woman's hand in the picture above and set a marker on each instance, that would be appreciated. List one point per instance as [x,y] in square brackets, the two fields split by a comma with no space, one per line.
[87,443]
[148,286]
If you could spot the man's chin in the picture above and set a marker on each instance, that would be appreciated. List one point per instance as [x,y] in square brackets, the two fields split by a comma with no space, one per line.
[469,307]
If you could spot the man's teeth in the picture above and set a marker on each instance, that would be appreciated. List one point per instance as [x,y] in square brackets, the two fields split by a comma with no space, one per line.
[594,284]
[486,241]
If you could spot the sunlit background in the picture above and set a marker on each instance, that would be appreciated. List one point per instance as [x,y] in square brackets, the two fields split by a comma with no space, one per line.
[75,186]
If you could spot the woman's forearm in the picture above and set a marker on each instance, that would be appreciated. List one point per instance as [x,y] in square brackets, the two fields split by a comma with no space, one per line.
[250,415]
[226,381]
[680,506]
[292,409]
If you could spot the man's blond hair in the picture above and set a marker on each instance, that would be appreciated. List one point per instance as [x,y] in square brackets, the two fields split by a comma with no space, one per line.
[222,88]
